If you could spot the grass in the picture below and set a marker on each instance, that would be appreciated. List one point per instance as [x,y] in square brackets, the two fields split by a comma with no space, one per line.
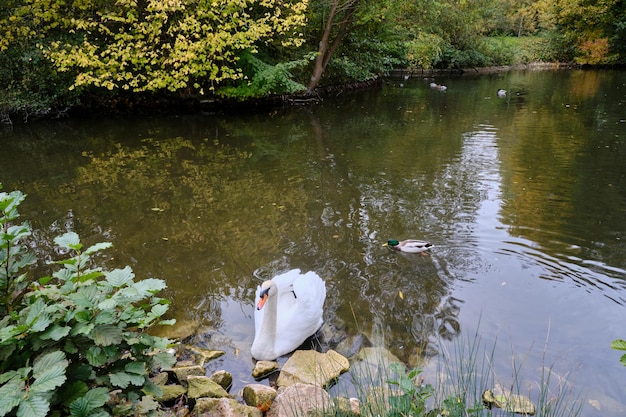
[385,387]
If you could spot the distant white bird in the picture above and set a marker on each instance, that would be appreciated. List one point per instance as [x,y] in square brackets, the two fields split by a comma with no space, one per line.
[439,87]
[289,310]
[501,93]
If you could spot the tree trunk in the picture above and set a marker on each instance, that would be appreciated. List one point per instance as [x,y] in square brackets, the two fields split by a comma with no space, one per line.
[325,50]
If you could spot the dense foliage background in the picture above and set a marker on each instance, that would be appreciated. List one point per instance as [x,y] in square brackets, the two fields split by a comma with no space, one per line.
[55,54]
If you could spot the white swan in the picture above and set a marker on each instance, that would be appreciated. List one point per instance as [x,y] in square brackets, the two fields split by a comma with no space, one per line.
[289,310]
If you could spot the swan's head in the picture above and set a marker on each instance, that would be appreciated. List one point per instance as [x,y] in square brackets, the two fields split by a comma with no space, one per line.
[268,289]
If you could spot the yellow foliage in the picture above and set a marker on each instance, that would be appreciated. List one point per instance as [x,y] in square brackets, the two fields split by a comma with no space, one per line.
[162,44]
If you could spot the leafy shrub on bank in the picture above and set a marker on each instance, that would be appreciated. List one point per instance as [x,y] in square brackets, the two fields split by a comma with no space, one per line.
[75,343]
[513,50]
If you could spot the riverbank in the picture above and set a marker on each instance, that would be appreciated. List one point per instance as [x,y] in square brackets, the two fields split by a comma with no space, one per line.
[163,103]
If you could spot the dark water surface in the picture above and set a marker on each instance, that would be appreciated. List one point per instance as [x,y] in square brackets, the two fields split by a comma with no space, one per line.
[523,196]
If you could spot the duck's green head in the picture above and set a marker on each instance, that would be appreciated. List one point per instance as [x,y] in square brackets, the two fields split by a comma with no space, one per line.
[392,243]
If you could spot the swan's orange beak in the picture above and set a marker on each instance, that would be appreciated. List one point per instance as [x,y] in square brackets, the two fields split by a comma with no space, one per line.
[263,299]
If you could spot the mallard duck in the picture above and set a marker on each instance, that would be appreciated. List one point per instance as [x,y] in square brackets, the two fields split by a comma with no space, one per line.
[289,310]
[409,245]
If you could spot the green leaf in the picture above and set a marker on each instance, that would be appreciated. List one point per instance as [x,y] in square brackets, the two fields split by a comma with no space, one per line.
[83,316]
[93,399]
[618,344]
[42,322]
[9,332]
[137,368]
[80,408]
[34,311]
[98,247]
[159,309]
[96,356]
[6,376]
[72,391]
[79,371]
[97,397]
[56,332]
[120,379]
[168,322]
[106,335]
[622,360]
[82,328]
[90,275]
[123,379]
[69,240]
[146,405]
[10,399]
[33,406]
[86,296]
[108,304]
[151,388]
[164,359]
[49,380]
[120,277]
[47,361]
[150,286]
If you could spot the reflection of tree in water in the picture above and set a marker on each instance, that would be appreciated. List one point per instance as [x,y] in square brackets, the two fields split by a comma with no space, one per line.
[399,300]
[205,211]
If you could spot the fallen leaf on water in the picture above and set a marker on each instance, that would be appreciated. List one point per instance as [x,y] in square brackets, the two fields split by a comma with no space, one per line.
[595,404]
[156,209]
[401,295]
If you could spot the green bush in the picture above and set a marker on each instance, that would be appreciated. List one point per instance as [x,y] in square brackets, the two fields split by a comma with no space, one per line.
[425,50]
[412,397]
[75,343]
[30,86]
[513,50]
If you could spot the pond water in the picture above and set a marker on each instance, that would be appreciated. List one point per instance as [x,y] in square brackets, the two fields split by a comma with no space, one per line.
[523,196]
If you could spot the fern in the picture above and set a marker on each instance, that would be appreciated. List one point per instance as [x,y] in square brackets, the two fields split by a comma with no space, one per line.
[264,79]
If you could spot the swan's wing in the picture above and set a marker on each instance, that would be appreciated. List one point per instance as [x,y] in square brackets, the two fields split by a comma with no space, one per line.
[301,310]
[310,289]
[285,281]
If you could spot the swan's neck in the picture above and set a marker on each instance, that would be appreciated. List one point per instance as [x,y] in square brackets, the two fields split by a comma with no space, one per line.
[268,326]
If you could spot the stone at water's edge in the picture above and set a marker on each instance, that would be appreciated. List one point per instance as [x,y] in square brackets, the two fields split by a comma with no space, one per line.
[348,406]
[224,378]
[264,368]
[508,401]
[171,392]
[224,407]
[299,400]
[203,355]
[258,395]
[202,386]
[160,378]
[182,372]
[378,356]
[312,367]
